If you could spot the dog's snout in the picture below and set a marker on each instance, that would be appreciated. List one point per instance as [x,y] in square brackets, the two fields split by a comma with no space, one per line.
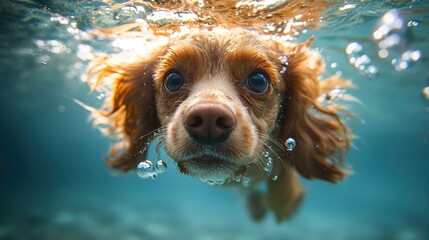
[209,123]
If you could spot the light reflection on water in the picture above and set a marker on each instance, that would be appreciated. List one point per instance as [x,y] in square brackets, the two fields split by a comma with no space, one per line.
[55,182]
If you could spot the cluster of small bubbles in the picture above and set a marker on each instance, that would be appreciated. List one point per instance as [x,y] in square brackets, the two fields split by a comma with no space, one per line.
[100,96]
[361,61]
[331,96]
[335,94]
[290,144]
[146,169]
[156,133]
[266,154]
[60,19]
[406,59]
[393,38]
[214,182]
[53,46]
[72,26]
[268,167]
[288,27]
[284,62]
[412,23]
[84,52]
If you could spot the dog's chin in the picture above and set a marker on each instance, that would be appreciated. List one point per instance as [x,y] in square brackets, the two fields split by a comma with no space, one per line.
[211,170]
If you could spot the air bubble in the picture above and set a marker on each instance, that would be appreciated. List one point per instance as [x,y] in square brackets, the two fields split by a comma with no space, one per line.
[268,167]
[361,61]
[371,72]
[101,96]
[412,23]
[393,38]
[237,179]
[245,181]
[290,144]
[284,61]
[354,49]
[146,170]
[84,52]
[406,59]
[335,94]
[214,182]
[275,178]
[266,154]
[160,166]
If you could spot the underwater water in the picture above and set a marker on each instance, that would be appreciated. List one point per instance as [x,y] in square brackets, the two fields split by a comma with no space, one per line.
[55,184]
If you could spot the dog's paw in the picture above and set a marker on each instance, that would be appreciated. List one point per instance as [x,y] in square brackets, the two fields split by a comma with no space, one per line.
[289,207]
[256,205]
[285,195]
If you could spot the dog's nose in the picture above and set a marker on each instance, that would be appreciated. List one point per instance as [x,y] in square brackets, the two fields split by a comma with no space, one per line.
[209,123]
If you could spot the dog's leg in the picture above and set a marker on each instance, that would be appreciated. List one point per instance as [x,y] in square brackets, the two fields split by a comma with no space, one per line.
[285,194]
[256,205]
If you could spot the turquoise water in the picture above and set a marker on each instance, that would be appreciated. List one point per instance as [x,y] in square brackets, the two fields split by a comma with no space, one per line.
[55,184]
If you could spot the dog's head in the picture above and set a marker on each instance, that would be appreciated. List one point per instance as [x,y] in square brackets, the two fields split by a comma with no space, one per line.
[218,96]
[220,99]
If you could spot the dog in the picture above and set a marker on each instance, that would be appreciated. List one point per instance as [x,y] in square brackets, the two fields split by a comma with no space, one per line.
[220,101]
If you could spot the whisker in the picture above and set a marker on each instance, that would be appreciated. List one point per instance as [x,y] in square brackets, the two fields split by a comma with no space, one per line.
[160,142]
[260,162]
[275,142]
[147,134]
[272,150]
[159,145]
[151,136]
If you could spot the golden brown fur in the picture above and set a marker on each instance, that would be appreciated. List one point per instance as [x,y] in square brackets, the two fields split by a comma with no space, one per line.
[214,65]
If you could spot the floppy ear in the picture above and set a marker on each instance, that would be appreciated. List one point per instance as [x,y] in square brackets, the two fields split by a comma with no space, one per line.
[321,136]
[128,114]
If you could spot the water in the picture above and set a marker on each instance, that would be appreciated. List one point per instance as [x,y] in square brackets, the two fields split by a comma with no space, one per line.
[55,184]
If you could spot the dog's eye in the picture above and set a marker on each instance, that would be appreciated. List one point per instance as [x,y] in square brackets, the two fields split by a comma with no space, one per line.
[257,82]
[173,81]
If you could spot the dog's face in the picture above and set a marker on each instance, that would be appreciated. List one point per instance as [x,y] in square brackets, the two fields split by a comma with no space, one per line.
[218,98]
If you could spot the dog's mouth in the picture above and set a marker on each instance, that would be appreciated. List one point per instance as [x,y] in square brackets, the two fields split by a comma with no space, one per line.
[211,169]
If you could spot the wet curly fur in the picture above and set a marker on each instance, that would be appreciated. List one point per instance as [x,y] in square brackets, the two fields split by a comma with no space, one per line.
[214,65]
